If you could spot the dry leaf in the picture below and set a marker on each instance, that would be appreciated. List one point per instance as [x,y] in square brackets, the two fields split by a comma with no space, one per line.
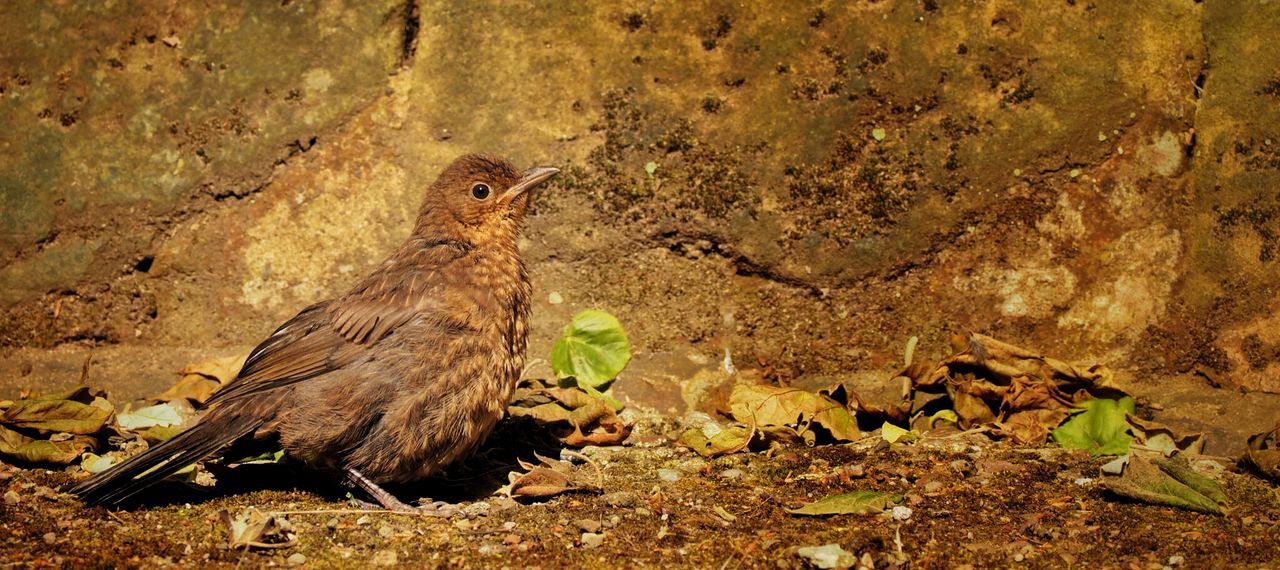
[548,478]
[252,528]
[774,409]
[577,418]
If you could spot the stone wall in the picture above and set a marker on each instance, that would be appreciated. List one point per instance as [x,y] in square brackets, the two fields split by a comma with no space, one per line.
[805,186]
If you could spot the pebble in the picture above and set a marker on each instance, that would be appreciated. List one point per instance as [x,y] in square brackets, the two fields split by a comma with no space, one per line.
[50,538]
[731,474]
[613,521]
[385,558]
[592,540]
[296,559]
[643,511]
[619,499]
[1175,560]
[509,525]
[668,475]
[332,524]
[901,513]
[588,525]
[491,549]
[463,525]
[555,298]
[11,498]
[933,486]
[385,531]
[511,539]
[363,520]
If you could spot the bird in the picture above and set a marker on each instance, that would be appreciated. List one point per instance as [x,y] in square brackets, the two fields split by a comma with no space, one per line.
[406,373]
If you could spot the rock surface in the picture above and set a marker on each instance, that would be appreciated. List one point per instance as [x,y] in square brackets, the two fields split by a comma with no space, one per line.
[801,188]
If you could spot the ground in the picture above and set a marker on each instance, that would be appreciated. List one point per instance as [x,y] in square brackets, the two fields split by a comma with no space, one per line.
[971,502]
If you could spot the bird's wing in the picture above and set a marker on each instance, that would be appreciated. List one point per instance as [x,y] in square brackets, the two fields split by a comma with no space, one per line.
[330,335]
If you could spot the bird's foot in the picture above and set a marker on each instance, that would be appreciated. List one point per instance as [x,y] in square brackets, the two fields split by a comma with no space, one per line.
[389,502]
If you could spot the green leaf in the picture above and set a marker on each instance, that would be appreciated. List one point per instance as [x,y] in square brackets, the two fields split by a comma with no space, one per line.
[1168,482]
[54,416]
[592,351]
[161,415]
[851,503]
[895,434]
[1100,429]
[944,416]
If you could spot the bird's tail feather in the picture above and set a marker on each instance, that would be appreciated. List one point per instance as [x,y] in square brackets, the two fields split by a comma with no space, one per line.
[141,471]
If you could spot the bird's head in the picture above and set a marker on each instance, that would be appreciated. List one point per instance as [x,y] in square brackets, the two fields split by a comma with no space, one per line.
[479,198]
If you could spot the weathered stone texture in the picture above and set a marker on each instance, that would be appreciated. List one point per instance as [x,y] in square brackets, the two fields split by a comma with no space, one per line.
[1089,178]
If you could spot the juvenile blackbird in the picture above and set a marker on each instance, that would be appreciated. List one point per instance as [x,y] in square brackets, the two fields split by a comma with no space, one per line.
[399,377]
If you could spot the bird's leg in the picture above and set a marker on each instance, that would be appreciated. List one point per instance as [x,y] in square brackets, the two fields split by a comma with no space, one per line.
[391,503]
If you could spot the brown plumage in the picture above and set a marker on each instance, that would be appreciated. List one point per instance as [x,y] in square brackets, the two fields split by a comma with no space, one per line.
[404,374]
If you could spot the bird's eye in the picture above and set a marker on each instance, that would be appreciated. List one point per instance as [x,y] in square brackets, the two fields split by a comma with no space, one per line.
[480,191]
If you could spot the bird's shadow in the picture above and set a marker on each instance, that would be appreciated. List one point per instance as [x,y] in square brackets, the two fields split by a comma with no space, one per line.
[477,477]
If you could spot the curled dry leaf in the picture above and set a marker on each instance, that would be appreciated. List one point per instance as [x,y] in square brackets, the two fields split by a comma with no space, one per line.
[1021,393]
[792,412]
[252,528]
[1263,453]
[1156,436]
[548,478]
[200,380]
[712,442]
[578,419]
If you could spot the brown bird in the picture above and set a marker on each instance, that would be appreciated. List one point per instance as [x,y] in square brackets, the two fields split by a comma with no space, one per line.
[405,374]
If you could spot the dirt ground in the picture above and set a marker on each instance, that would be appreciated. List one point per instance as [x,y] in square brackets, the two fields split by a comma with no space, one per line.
[971,502]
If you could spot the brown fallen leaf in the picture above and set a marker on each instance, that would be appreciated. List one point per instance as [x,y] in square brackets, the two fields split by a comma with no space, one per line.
[792,412]
[577,418]
[1263,453]
[64,451]
[200,380]
[548,478]
[1159,437]
[252,528]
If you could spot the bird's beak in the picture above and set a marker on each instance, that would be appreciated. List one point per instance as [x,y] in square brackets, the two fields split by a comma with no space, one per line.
[531,179]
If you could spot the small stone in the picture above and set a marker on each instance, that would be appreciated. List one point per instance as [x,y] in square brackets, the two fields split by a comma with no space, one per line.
[332,524]
[385,531]
[385,558]
[619,499]
[509,525]
[878,134]
[588,525]
[1175,560]
[614,520]
[643,512]
[901,513]
[1075,173]
[363,520]
[491,549]
[50,538]
[555,298]
[827,556]
[511,539]
[296,559]
[668,475]
[11,498]
[592,540]
[933,486]
[731,474]
[463,525]
[1019,557]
